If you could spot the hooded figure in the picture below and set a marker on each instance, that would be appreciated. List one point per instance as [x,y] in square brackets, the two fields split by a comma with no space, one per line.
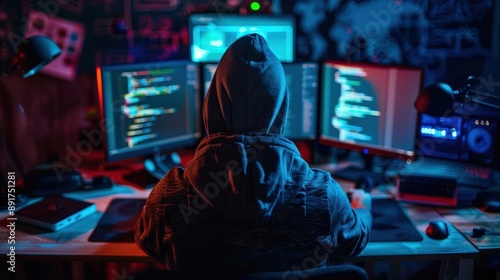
[247,201]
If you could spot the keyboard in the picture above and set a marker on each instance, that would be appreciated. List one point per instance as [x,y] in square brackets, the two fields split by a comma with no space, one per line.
[442,182]
[465,174]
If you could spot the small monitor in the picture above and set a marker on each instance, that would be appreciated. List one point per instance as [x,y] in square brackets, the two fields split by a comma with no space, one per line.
[302,79]
[369,109]
[211,34]
[149,108]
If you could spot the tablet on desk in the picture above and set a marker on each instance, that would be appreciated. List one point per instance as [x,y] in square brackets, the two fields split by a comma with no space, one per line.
[118,221]
[56,212]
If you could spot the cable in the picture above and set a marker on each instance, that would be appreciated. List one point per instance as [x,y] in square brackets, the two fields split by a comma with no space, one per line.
[475,94]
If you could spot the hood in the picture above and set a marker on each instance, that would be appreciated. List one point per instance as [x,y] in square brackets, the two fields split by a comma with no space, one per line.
[248,92]
[247,179]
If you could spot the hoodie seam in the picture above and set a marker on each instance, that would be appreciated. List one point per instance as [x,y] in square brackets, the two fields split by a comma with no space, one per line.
[247,63]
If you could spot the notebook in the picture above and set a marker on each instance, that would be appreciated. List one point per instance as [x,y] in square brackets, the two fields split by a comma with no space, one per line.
[56,212]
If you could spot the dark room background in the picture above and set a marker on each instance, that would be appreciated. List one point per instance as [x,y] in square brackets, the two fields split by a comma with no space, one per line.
[451,38]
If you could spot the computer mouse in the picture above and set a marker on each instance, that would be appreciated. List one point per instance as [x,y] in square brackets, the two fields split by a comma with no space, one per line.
[437,229]
[488,202]
[366,183]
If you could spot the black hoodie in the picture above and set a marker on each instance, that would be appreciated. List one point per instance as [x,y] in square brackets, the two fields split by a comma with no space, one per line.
[248,201]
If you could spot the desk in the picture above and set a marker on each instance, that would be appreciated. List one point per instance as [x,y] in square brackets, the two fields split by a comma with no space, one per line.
[456,253]
[70,244]
[465,219]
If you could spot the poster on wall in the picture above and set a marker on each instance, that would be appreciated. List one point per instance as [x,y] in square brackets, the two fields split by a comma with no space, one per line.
[67,34]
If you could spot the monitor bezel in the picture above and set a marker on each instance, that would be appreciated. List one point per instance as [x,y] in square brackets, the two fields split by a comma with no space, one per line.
[363,148]
[297,62]
[248,17]
[318,89]
[188,140]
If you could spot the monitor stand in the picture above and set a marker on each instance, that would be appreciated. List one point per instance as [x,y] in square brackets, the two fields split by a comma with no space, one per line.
[155,167]
[355,173]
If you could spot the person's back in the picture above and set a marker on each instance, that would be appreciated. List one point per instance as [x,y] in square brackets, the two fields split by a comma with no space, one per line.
[248,201]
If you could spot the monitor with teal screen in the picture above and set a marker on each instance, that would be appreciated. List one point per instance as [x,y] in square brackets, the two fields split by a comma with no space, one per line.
[211,34]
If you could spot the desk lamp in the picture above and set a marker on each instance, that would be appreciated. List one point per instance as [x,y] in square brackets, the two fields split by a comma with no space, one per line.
[440,100]
[33,54]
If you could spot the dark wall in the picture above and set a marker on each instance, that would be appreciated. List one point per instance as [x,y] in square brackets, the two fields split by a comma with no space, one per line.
[439,35]
[451,38]
[116,31]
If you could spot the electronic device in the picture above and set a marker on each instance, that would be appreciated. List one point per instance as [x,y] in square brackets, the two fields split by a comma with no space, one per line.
[56,212]
[368,108]
[451,184]
[460,138]
[437,229]
[302,78]
[211,34]
[455,159]
[487,201]
[479,232]
[149,109]
[118,222]
[44,181]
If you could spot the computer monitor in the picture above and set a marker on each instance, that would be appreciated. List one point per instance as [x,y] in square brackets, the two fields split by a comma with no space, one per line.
[302,79]
[149,109]
[211,34]
[368,108]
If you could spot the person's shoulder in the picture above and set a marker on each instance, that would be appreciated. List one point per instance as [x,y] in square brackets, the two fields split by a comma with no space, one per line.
[171,184]
[320,174]
[176,173]
[323,178]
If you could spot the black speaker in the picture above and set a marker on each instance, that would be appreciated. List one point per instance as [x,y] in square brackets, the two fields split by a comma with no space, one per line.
[45,181]
[478,143]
